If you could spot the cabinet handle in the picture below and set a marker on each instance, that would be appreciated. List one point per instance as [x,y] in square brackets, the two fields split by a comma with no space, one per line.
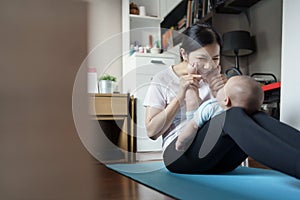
[157,62]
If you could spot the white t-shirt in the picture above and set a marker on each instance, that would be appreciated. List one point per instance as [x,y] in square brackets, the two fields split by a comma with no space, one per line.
[163,89]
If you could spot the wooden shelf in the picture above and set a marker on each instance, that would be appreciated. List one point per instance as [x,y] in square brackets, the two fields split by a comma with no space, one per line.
[207,17]
[235,6]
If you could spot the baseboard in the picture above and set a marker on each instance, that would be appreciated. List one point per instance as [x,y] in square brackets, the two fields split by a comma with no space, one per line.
[149,156]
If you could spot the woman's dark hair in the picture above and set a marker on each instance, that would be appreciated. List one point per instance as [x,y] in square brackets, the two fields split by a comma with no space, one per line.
[199,35]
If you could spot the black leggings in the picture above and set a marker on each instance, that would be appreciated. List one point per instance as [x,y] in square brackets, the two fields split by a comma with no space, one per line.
[265,139]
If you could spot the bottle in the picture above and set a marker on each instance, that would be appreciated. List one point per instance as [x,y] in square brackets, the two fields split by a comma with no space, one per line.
[141,50]
[131,51]
[92,84]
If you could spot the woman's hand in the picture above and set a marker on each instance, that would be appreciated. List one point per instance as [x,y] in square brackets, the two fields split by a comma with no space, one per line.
[191,81]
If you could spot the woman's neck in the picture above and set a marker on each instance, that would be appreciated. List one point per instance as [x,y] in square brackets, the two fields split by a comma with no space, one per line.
[180,69]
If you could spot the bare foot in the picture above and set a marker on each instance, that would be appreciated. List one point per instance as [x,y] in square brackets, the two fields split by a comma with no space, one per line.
[192,99]
[216,81]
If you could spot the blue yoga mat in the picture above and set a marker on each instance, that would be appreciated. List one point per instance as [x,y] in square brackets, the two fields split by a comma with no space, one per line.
[241,184]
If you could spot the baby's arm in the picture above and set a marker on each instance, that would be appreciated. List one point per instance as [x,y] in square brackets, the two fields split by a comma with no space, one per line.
[187,136]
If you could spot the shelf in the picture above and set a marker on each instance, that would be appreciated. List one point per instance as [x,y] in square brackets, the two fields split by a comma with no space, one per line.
[235,6]
[152,55]
[175,15]
[139,17]
[207,17]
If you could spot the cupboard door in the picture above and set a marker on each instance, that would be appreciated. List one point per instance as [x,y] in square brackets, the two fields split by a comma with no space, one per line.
[110,105]
[147,67]
[144,143]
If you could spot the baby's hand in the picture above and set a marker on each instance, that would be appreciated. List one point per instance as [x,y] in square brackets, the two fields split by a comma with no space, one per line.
[179,146]
[192,69]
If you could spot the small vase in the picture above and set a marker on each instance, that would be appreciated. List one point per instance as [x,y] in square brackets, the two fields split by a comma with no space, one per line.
[106,86]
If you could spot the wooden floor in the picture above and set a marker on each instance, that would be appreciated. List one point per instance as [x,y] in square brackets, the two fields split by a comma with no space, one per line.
[114,186]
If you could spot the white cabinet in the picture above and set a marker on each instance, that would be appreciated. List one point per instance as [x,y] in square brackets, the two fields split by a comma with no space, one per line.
[137,28]
[143,64]
[139,68]
[137,76]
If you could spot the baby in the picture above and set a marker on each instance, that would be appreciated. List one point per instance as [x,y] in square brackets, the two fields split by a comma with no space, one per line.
[239,91]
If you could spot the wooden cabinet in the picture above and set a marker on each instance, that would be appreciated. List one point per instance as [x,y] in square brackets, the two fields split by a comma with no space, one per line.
[113,112]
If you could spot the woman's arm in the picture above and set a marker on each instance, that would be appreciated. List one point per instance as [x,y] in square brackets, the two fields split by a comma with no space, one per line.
[159,120]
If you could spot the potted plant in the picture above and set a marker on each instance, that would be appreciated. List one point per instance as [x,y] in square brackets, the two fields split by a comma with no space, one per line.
[106,83]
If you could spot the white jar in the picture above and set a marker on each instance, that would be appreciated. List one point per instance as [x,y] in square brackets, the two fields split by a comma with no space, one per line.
[142,10]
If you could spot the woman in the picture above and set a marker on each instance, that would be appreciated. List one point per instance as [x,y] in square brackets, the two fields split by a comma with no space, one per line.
[223,142]
[166,98]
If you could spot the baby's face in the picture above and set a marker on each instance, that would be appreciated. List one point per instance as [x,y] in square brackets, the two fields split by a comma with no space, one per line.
[222,94]
[229,88]
[221,97]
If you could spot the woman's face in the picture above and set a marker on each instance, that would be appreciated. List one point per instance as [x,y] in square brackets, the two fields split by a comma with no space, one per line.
[205,59]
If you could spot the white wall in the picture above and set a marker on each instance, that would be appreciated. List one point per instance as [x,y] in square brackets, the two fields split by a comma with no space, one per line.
[265,27]
[104,36]
[290,97]
[225,23]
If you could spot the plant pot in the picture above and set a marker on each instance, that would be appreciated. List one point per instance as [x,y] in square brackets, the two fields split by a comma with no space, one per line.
[106,86]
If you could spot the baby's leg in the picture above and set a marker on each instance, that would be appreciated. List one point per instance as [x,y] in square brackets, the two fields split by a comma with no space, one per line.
[189,131]
[192,98]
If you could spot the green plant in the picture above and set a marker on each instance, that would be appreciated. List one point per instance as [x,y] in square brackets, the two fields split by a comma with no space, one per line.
[107,77]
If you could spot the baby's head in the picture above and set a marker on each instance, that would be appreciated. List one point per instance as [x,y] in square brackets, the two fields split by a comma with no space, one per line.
[241,91]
